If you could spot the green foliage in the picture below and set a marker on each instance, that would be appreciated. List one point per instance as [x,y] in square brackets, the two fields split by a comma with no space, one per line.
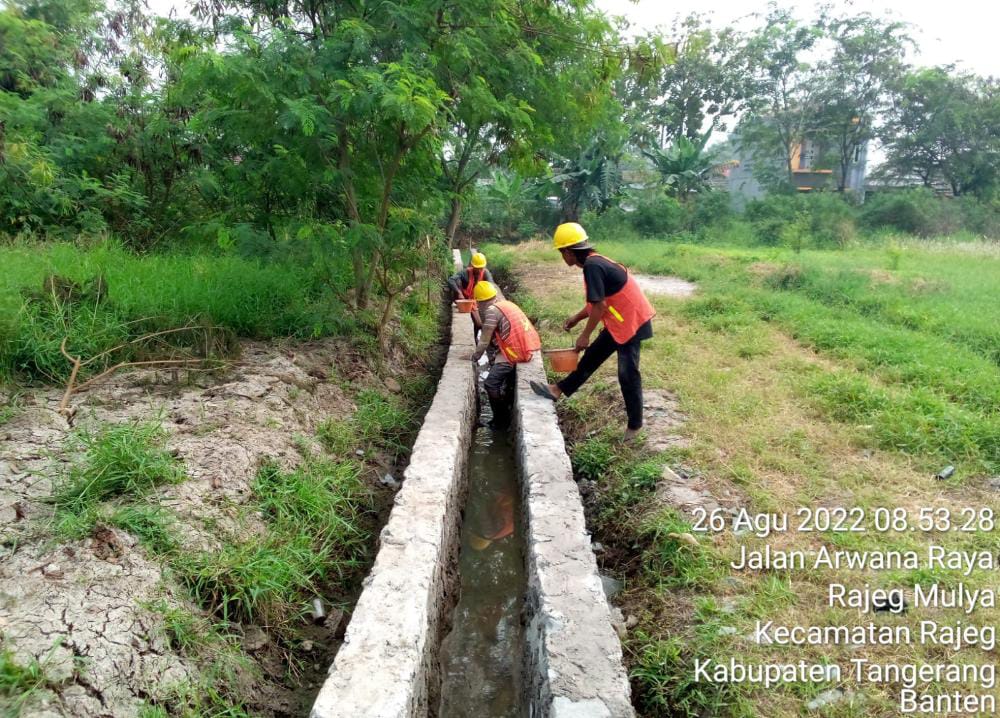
[19,682]
[123,461]
[922,213]
[941,128]
[816,220]
[670,562]
[589,180]
[594,458]
[146,294]
[661,216]
[317,533]
[152,525]
[666,686]
[684,167]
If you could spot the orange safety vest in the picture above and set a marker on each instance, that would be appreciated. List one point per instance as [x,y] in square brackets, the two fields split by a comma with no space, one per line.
[627,310]
[472,277]
[522,339]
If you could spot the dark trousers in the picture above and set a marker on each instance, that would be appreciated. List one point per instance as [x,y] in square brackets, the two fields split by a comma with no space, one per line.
[499,387]
[628,372]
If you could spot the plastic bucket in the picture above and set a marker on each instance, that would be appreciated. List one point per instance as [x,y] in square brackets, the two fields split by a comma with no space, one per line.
[562,360]
[465,306]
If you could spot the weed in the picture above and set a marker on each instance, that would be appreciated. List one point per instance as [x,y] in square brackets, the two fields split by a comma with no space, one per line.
[316,533]
[593,458]
[120,461]
[669,562]
[10,408]
[336,436]
[152,525]
[382,420]
[666,686]
[19,682]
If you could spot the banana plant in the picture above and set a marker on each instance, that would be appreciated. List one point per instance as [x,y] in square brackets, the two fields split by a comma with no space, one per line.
[591,180]
[685,167]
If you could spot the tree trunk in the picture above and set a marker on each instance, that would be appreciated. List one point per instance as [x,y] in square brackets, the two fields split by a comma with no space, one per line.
[453,220]
[361,279]
[383,322]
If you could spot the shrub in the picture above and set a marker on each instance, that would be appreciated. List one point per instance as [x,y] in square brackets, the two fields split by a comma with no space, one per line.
[659,216]
[915,211]
[919,211]
[823,219]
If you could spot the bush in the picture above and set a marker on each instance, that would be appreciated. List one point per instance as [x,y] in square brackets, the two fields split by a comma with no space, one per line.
[921,212]
[915,211]
[659,216]
[823,219]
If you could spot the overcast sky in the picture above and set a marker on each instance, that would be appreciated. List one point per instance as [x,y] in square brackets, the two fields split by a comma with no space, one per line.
[948,31]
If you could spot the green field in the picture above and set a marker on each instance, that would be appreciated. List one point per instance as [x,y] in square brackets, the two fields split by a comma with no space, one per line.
[821,378]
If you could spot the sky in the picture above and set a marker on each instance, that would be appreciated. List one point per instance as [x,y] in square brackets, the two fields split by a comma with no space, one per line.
[963,32]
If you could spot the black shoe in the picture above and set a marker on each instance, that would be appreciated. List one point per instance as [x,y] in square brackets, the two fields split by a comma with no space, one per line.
[541,390]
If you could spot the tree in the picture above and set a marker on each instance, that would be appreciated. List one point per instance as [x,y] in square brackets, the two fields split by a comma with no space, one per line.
[502,79]
[867,60]
[590,180]
[786,94]
[945,126]
[700,74]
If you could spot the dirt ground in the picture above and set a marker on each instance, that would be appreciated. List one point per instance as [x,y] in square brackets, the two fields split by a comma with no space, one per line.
[78,607]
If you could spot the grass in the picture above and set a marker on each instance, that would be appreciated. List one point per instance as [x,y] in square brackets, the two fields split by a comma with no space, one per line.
[10,408]
[925,335]
[121,461]
[318,534]
[382,421]
[145,294]
[819,379]
[20,682]
[226,668]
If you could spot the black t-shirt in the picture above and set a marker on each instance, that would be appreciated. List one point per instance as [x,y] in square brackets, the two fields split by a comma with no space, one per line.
[605,278]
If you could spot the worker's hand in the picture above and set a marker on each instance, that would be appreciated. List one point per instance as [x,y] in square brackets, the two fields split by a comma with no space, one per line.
[570,323]
[582,342]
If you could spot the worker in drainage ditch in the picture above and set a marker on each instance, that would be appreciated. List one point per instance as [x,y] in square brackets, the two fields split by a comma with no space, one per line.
[508,338]
[463,284]
[613,298]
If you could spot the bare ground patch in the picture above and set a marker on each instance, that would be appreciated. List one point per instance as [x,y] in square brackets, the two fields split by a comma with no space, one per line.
[82,608]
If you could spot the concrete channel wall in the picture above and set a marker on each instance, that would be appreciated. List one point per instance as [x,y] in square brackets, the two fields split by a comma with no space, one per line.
[573,659]
[388,665]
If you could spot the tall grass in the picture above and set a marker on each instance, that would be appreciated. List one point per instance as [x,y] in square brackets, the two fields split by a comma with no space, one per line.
[146,294]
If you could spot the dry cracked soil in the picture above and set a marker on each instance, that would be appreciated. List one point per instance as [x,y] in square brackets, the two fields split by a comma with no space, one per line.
[82,608]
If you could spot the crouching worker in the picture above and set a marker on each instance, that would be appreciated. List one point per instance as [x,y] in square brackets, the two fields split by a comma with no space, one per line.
[463,284]
[508,339]
[614,299]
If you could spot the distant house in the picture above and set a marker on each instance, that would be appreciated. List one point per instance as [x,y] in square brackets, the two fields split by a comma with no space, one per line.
[743,186]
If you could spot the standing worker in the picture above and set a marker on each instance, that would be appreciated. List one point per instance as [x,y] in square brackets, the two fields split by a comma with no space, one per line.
[614,298]
[463,283]
[508,339]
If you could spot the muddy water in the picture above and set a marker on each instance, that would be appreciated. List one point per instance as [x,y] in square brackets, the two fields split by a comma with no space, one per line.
[480,658]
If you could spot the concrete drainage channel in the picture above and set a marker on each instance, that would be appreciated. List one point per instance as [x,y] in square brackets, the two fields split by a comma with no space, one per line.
[571,660]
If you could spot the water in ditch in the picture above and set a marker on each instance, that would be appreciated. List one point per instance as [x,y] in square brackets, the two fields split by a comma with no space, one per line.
[481,656]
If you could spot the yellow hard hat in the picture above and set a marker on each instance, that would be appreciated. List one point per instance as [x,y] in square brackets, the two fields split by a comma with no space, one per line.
[478,260]
[568,234]
[484,290]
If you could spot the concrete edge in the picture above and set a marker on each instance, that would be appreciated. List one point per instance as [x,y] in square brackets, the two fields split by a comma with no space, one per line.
[388,665]
[572,656]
